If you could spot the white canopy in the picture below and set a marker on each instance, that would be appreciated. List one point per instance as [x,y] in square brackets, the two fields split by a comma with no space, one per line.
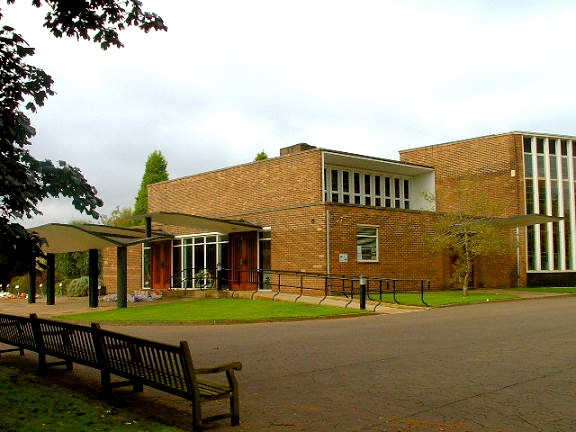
[61,238]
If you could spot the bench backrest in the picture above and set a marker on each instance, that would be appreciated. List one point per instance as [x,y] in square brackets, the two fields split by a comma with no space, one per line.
[66,340]
[16,330]
[159,365]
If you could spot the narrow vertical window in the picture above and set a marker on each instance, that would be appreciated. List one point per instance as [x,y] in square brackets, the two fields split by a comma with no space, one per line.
[146,269]
[531,235]
[334,189]
[265,259]
[397,192]
[345,181]
[357,188]
[378,191]
[527,141]
[387,191]
[367,193]
[346,187]
[530,197]
[406,194]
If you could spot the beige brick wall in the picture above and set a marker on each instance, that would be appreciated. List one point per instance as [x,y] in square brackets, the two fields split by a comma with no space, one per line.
[134,268]
[286,181]
[492,167]
[486,162]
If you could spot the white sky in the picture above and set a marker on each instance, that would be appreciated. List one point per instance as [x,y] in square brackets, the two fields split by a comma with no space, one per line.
[232,78]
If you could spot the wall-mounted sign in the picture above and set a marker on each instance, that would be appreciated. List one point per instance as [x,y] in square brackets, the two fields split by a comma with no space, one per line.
[343,257]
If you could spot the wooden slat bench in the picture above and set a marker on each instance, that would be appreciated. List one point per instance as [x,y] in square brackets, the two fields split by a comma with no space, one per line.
[168,368]
[17,332]
[73,343]
[136,361]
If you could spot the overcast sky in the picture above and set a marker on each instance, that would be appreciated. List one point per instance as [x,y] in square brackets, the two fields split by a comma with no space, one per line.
[232,78]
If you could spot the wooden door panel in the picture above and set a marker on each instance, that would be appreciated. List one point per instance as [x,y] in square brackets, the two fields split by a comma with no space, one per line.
[244,260]
[161,264]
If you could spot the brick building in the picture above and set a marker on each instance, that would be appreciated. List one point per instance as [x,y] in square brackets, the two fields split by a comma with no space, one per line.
[322,211]
[526,173]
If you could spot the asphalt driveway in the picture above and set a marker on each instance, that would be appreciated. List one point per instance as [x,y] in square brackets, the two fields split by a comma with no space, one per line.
[505,366]
[494,367]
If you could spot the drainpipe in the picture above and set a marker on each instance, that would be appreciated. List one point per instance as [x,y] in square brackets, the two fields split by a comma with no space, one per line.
[328,249]
[518,275]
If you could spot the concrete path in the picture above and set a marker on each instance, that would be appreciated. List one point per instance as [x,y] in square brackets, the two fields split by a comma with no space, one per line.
[505,366]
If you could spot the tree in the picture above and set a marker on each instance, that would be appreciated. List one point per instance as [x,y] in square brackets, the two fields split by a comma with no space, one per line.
[155,171]
[261,156]
[468,234]
[71,265]
[120,217]
[24,180]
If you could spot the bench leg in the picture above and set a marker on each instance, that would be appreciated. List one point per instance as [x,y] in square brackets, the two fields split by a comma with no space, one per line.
[196,416]
[105,382]
[42,367]
[137,387]
[234,410]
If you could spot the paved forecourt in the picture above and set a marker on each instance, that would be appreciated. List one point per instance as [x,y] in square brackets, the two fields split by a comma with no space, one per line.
[506,366]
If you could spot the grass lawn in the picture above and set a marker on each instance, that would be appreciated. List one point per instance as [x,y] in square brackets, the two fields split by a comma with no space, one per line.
[444,298]
[567,290]
[34,406]
[213,311]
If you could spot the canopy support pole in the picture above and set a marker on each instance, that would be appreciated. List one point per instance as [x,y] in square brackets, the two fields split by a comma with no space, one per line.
[51,279]
[93,278]
[122,276]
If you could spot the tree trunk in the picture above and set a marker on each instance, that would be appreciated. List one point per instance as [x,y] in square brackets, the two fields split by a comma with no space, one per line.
[467,267]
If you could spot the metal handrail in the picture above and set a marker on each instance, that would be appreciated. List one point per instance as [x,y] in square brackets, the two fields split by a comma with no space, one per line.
[211,274]
[300,283]
[279,281]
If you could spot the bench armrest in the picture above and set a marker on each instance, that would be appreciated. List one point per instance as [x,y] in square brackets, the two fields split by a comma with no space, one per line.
[222,368]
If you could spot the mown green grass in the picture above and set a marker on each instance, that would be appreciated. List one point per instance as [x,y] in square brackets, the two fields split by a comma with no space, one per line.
[40,406]
[213,310]
[443,298]
[566,290]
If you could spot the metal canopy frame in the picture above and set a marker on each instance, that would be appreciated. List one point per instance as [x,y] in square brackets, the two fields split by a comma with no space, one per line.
[62,238]
[207,224]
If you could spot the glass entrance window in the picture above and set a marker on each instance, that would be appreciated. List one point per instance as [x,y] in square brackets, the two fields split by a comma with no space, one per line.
[196,259]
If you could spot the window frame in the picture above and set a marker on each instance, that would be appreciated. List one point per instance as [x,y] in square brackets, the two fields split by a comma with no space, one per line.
[375,236]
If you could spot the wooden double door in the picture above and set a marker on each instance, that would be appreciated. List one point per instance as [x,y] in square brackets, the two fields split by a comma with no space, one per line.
[243,261]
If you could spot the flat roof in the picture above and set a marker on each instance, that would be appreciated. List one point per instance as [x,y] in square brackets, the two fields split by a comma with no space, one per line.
[350,160]
[559,136]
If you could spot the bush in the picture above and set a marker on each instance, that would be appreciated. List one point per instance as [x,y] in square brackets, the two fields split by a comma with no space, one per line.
[78,287]
[23,283]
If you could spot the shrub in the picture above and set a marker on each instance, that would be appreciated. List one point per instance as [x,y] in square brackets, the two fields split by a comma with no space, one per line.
[22,282]
[78,287]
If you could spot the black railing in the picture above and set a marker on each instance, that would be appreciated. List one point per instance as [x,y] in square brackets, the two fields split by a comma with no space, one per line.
[301,283]
[379,288]
[192,278]
[321,284]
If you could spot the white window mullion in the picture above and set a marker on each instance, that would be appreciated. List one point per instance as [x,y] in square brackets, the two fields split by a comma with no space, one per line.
[571,209]
[549,207]
[562,231]
[537,210]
